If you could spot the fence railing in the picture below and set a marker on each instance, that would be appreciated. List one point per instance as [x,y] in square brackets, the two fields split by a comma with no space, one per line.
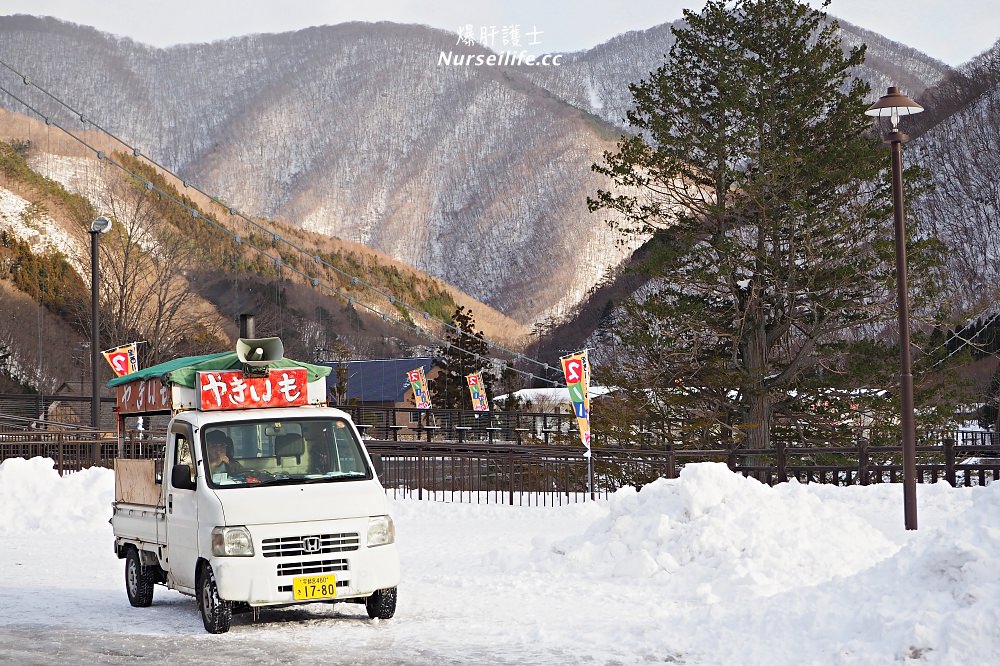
[403,424]
[524,458]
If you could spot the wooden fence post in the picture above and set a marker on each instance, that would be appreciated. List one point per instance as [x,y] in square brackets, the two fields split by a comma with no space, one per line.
[782,463]
[59,443]
[949,461]
[863,460]
[671,461]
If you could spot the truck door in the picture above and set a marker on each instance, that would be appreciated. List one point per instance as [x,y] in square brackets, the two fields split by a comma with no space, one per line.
[182,512]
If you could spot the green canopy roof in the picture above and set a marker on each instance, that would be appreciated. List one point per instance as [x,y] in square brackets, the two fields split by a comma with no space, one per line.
[183,371]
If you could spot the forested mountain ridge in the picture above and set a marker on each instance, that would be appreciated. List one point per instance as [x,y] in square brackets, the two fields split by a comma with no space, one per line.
[476,175]
[178,281]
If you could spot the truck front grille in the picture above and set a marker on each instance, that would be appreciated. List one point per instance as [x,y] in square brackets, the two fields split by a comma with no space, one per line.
[314,544]
[311,567]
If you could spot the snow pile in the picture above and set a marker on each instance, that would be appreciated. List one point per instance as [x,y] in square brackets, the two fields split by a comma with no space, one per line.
[711,524]
[936,600]
[33,497]
[710,568]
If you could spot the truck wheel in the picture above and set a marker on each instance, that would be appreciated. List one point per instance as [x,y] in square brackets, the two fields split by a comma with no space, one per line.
[138,580]
[382,603]
[216,613]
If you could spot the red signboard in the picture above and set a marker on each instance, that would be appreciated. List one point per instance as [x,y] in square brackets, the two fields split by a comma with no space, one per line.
[231,389]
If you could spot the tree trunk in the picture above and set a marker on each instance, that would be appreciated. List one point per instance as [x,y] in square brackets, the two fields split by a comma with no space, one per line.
[758,422]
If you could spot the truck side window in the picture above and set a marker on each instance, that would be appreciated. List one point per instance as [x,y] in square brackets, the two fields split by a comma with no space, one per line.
[347,453]
[182,452]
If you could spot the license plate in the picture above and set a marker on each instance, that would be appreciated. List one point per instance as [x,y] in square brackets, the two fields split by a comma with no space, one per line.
[314,587]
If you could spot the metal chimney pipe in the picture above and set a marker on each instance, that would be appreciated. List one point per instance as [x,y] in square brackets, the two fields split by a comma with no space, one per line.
[246,326]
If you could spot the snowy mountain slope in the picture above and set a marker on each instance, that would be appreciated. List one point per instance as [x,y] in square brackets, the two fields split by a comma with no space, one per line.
[962,155]
[597,80]
[476,175]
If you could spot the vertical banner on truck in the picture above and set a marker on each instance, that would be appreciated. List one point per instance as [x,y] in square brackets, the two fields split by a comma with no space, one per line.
[123,360]
[480,403]
[576,367]
[421,398]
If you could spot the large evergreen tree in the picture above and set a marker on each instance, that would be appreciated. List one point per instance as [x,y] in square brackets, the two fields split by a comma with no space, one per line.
[757,174]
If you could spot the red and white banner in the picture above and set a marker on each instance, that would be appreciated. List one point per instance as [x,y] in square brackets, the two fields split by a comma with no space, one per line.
[231,389]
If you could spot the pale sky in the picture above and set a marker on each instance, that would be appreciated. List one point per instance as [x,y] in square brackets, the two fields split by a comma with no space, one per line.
[952,31]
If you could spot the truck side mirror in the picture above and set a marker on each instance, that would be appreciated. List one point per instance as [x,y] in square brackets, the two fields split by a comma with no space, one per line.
[180,477]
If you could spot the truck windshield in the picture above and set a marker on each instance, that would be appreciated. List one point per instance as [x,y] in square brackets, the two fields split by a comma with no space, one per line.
[282,452]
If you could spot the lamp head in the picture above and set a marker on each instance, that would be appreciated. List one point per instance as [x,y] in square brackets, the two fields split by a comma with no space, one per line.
[101,225]
[893,104]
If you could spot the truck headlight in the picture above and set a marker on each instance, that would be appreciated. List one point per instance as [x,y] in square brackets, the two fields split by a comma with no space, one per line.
[381,531]
[232,542]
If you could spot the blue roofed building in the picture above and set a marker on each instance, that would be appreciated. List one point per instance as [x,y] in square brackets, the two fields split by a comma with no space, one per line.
[381,383]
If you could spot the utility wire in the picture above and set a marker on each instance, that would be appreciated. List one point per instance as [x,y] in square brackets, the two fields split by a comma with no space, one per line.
[233,211]
[277,237]
[316,258]
[356,281]
[966,342]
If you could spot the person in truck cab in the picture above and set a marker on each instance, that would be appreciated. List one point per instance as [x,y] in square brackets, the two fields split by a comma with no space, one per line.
[220,451]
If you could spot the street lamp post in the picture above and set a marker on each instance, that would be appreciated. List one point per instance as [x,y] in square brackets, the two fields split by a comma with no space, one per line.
[99,226]
[895,104]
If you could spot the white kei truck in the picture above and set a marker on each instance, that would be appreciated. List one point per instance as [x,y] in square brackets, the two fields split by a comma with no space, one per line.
[265,496]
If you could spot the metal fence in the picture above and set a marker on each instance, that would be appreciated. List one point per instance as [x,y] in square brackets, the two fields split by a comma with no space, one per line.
[533,458]
[511,473]
[454,425]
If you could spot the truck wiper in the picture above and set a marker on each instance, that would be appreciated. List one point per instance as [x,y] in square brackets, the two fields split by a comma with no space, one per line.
[285,481]
[336,476]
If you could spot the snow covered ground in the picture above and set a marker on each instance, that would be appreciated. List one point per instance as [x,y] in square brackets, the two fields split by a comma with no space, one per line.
[710,568]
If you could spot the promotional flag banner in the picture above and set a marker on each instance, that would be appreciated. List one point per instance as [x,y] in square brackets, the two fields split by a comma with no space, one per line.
[123,360]
[418,383]
[478,392]
[577,370]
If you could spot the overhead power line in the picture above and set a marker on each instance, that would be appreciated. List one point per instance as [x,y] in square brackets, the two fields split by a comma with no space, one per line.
[314,281]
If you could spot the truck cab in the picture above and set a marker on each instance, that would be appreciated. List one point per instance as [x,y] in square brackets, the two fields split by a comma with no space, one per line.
[259,505]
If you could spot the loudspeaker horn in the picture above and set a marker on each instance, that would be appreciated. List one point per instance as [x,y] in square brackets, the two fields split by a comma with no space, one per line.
[257,352]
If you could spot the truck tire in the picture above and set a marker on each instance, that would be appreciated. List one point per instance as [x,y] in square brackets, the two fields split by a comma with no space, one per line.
[382,604]
[216,613]
[139,580]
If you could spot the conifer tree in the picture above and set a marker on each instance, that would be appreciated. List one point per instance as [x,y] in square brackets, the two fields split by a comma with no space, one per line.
[466,352]
[756,173]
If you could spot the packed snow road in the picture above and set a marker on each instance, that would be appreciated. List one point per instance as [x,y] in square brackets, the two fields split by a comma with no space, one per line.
[710,568]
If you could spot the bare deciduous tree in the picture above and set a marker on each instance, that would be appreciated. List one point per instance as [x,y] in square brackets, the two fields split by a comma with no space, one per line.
[144,291]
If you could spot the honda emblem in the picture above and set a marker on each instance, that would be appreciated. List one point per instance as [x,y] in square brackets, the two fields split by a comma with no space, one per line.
[310,544]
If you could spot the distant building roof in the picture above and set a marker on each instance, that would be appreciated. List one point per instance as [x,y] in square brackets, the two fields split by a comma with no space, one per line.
[377,381]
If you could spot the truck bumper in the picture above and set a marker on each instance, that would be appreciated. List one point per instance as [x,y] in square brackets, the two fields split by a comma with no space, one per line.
[268,580]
